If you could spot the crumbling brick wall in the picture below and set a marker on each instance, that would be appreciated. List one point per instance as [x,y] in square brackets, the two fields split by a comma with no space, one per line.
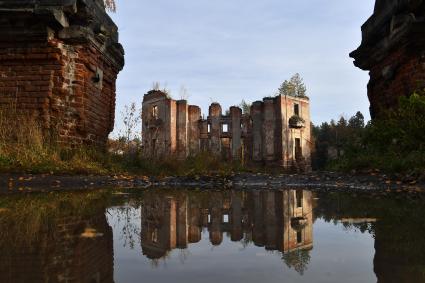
[393,50]
[265,135]
[61,71]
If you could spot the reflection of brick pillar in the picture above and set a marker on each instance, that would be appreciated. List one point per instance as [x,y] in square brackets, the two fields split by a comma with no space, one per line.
[236,217]
[270,220]
[258,222]
[182,225]
[216,217]
[194,221]
[393,50]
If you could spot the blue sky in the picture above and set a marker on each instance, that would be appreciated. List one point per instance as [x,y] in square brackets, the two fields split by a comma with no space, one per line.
[229,50]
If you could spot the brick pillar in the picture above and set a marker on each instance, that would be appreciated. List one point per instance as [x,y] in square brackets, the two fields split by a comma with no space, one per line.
[236,114]
[203,134]
[215,125]
[182,129]
[269,123]
[194,130]
[257,130]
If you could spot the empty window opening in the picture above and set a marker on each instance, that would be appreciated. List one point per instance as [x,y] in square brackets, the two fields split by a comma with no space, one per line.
[299,237]
[154,236]
[226,218]
[225,128]
[299,197]
[209,128]
[209,218]
[297,109]
[155,112]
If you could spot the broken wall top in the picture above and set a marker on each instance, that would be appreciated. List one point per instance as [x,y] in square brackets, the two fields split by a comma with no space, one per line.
[392,25]
[73,21]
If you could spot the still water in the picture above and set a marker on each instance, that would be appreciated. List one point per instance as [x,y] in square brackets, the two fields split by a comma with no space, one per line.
[215,236]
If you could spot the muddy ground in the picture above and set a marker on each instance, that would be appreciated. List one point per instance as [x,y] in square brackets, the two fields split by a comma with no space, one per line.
[373,181]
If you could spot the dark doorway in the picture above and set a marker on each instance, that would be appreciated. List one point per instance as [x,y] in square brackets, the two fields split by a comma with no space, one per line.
[298,149]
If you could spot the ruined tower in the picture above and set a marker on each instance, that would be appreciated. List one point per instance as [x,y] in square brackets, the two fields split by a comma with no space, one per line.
[393,50]
[59,61]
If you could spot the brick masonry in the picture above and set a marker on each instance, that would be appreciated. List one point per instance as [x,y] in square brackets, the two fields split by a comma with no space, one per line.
[59,62]
[265,135]
[393,50]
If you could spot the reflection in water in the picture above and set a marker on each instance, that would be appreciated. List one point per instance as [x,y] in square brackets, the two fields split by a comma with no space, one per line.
[397,224]
[276,220]
[66,237]
[55,241]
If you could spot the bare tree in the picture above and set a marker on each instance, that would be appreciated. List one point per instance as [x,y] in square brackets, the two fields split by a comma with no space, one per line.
[110,5]
[184,94]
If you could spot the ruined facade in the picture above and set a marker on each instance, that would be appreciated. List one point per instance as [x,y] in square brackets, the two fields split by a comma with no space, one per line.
[280,221]
[59,61]
[275,132]
[393,50]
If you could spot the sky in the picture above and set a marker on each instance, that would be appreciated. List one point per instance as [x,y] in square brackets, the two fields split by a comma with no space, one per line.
[229,50]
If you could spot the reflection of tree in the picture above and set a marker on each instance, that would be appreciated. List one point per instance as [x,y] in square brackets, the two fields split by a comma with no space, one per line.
[127,216]
[297,259]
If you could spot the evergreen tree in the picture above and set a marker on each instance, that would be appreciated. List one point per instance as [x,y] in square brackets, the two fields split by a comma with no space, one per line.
[294,87]
[357,121]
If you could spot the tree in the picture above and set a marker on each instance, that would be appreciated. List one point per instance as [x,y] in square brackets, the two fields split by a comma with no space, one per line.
[110,5]
[294,87]
[357,121]
[246,107]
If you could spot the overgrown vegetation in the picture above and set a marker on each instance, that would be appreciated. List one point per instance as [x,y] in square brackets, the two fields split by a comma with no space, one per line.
[394,143]
[24,147]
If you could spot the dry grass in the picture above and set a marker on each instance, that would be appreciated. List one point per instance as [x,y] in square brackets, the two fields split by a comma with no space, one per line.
[25,146]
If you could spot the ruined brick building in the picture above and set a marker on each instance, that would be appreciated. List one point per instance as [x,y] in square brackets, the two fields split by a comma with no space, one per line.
[393,50]
[275,132]
[59,61]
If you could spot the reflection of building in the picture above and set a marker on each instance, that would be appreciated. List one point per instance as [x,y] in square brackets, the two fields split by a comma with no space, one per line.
[62,252]
[277,130]
[279,220]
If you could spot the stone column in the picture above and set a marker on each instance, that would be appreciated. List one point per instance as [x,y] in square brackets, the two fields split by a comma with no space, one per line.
[236,114]
[182,129]
[193,130]
[257,130]
[203,133]
[268,129]
[214,119]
